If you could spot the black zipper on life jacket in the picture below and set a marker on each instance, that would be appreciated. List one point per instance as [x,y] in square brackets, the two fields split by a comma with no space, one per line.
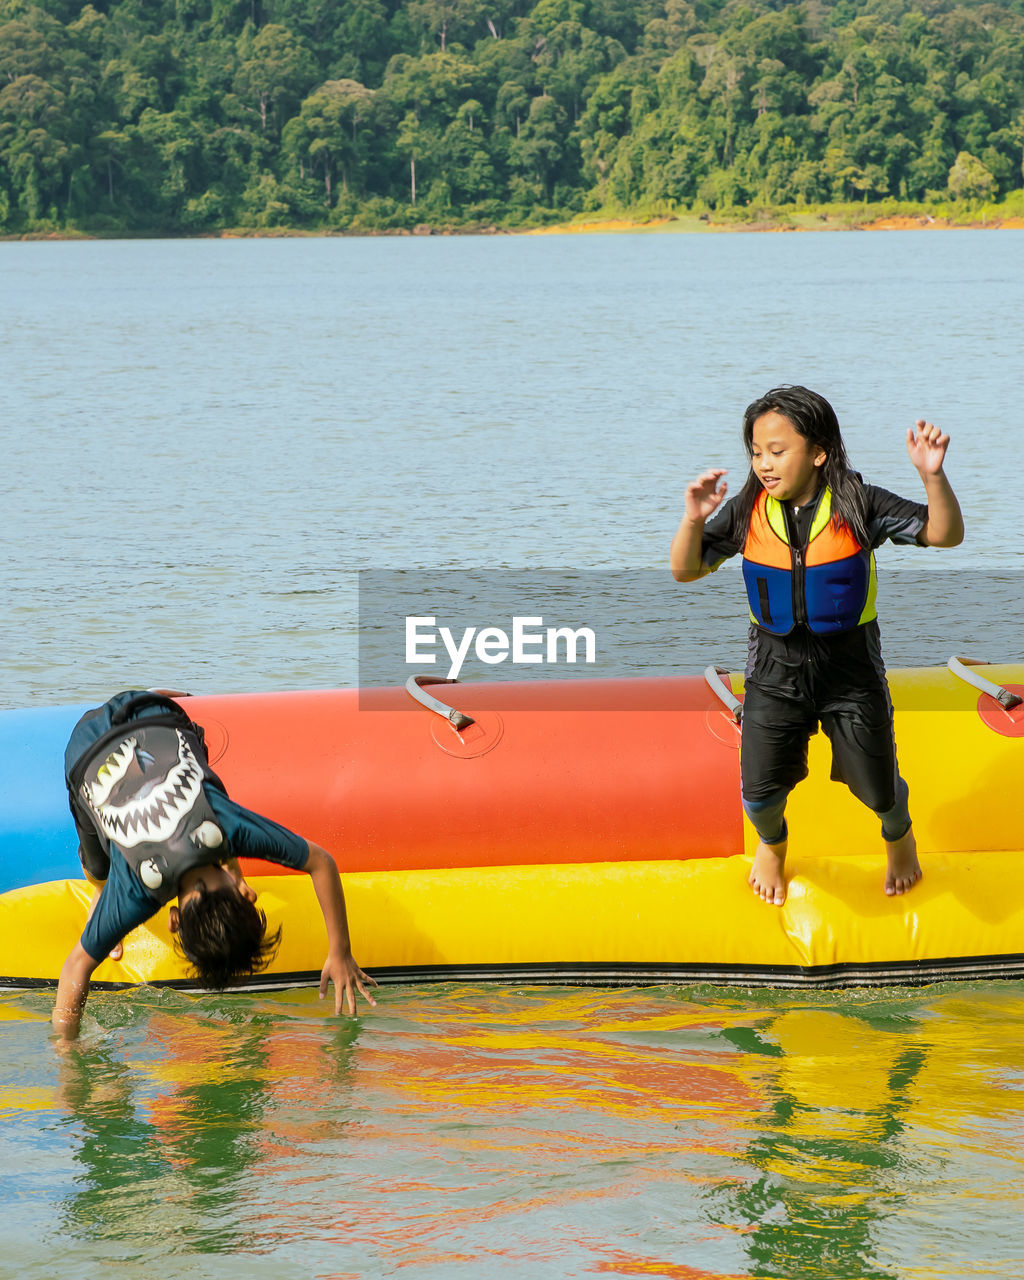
[799,603]
[796,554]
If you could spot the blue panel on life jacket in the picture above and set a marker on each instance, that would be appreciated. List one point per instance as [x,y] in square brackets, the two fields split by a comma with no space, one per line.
[770,595]
[835,594]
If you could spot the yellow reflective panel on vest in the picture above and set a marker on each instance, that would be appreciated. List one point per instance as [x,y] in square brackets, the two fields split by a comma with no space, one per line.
[776,514]
[822,516]
[868,613]
[776,517]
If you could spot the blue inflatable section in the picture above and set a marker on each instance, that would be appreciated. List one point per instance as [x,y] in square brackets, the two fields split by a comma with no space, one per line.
[37,834]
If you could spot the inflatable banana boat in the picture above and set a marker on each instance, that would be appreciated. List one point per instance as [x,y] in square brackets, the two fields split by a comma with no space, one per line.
[583,831]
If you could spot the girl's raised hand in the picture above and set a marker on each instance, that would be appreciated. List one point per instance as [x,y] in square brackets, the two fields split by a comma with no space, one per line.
[927,447]
[704,495]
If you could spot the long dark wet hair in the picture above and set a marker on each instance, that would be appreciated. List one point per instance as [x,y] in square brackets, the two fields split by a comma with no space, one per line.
[813,418]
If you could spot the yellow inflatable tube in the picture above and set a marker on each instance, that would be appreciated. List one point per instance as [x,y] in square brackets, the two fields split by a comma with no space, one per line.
[637,919]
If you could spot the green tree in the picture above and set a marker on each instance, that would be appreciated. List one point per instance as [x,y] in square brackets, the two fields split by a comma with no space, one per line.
[669,30]
[441,21]
[275,73]
[412,141]
[422,97]
[969,179]
[511,107]
[570,59]
[31,48]
[265,203]
[168,147]
[32,118]
[538,151]
[465,158]
[327,137]
[364,42]
[616,102]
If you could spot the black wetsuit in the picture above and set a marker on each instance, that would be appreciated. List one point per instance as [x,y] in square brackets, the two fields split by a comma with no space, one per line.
[798,680]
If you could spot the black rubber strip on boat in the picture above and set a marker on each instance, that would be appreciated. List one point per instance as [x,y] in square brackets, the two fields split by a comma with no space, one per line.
[881,973]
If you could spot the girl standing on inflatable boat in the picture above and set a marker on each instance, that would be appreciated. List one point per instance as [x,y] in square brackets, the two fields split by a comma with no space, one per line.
[806,526]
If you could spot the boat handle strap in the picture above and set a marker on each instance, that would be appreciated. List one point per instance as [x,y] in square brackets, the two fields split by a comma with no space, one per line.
[414,686]
[963,668]
[713,675]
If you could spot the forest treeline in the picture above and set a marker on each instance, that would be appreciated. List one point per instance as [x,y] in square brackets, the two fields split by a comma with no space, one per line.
[168,116]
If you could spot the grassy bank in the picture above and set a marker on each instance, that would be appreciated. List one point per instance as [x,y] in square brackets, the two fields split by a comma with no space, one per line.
[884,215]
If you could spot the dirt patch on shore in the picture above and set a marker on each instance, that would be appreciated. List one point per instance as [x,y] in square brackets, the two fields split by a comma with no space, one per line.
[608,224]
[766,226]
[704,222]
[904,222]
[923,222]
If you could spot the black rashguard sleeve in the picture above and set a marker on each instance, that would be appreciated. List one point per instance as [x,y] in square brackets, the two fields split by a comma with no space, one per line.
[721,539]
[893,519]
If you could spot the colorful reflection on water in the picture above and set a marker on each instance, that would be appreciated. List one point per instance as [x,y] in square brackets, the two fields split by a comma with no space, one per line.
[686,1133]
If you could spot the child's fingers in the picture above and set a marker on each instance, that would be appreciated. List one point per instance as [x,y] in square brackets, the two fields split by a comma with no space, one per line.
[706,488]
[351,986]
[926,433]
[708,478]
[342,989]
[346,984]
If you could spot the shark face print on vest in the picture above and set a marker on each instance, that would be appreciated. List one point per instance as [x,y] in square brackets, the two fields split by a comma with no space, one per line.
[146,797]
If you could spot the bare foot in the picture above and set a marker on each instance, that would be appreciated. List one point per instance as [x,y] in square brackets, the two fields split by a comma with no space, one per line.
[768,874]
[903,870]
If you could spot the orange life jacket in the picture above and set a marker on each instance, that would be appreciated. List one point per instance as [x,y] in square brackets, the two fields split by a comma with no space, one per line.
[829,585]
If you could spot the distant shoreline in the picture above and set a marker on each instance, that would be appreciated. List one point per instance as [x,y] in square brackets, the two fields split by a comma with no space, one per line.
[810,222]
[734,222]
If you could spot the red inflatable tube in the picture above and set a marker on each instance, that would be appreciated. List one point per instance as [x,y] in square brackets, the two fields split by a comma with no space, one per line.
[592,771]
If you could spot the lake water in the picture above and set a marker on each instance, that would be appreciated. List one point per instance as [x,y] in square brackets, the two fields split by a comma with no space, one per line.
[204,441]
